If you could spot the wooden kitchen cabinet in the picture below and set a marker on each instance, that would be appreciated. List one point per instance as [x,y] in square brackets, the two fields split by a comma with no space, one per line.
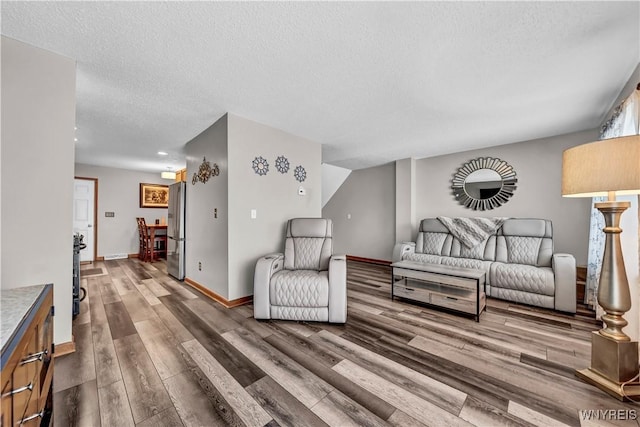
[181,175]
[27,356]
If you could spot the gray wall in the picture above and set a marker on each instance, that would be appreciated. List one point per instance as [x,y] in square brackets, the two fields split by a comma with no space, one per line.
[629,87]
[119,192]
[538,165]
[229,246]
[207,236]
[38,117]
[405,189]
[274,196]
[368,195]
[332,178]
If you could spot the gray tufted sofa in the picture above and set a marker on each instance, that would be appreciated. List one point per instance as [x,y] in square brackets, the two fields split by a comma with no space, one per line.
[307,282]
[518,260]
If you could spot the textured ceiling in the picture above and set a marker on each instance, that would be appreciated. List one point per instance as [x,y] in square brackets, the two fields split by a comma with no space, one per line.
[373,82]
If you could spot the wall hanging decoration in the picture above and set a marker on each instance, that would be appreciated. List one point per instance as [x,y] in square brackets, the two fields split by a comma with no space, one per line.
[282,164]
[154,196]
[300,173]
[260,165]
[484,183]
[205,171]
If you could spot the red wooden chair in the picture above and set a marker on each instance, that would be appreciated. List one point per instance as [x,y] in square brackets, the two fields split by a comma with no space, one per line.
[143,252]
[148,250]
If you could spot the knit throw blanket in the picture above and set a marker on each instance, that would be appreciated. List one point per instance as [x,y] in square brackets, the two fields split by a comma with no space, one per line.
[471,231]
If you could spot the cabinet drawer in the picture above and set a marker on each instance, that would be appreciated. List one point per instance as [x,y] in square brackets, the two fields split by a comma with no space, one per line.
[411,292]
[25,379]
[25,361]
[31,417]
[6,418]
[465,305]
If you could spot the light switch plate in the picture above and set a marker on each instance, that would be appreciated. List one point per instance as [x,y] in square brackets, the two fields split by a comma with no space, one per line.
[254,214]
[109,214]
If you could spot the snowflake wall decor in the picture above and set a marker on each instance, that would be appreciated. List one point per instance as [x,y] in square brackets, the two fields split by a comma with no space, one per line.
[300,173]
[260,165]
[282,164]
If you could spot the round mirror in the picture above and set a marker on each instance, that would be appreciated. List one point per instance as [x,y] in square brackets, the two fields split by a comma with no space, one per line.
[484,183]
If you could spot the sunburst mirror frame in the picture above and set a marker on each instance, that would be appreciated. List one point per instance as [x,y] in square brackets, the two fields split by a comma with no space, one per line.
[507,175]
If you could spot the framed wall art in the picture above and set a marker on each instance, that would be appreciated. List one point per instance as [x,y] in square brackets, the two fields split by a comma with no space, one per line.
[154,196]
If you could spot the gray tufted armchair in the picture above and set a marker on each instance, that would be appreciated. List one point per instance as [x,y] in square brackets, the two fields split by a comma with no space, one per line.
[307,282]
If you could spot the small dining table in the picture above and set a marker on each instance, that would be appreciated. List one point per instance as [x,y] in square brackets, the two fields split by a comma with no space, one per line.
[152,236]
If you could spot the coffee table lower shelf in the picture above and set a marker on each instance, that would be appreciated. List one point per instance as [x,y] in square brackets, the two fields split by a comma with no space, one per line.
[454,289]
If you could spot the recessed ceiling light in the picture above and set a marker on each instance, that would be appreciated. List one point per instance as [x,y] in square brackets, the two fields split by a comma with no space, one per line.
[163,153]
[75,139]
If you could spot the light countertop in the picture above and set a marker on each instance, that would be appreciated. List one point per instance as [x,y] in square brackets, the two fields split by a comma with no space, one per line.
[15,305]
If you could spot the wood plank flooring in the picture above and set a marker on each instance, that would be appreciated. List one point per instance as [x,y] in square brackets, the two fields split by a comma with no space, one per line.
[152,351]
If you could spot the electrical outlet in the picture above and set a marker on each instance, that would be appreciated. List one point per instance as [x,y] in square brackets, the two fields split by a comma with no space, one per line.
[215,212]
[199,266]
[109,214]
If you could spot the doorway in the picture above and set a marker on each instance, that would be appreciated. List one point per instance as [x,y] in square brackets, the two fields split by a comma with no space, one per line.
[85,196]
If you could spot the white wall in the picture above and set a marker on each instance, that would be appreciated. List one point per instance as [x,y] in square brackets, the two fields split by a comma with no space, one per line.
[368,196]
[274,196]
[119,192]
[538,165]
[38,117]
[206,239]
[332,178]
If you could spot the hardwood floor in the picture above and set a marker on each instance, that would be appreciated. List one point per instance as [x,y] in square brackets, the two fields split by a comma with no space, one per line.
[152,351]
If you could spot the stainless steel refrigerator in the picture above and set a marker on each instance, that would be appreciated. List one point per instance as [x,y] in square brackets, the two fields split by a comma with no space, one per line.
[176,230]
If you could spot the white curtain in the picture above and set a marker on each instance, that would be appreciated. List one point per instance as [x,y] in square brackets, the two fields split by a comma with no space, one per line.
[624,121]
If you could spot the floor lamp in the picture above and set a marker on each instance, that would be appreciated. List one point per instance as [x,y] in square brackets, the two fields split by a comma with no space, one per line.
[607,168]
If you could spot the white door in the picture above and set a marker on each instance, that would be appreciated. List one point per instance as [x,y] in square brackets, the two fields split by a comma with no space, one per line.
[83,214]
